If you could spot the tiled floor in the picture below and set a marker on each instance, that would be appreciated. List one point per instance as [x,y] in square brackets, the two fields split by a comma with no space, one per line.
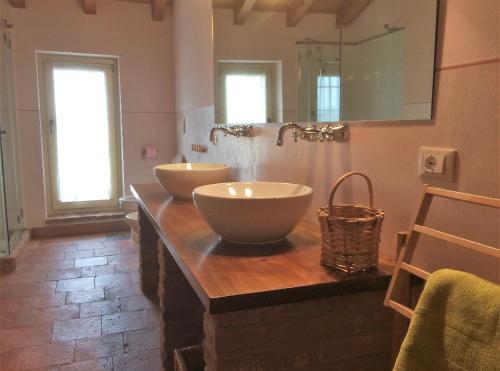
[75,304]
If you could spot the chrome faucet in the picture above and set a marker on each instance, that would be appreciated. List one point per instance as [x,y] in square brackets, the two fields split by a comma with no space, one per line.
[234,130]
[312,133]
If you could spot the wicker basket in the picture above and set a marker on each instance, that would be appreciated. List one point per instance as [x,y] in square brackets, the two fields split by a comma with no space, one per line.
[350,234]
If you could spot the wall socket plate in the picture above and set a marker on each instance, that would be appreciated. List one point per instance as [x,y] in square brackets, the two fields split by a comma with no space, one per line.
[437,163]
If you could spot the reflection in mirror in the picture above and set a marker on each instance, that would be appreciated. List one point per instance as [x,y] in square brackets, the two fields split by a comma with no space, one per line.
[388,61]
[323,60]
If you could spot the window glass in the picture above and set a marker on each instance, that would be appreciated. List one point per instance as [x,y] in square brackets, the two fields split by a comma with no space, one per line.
[328,98]
[82,126]
[246,98]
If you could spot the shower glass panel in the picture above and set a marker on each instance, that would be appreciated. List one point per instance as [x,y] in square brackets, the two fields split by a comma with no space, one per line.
[11,214]
[4,237]
[318,81]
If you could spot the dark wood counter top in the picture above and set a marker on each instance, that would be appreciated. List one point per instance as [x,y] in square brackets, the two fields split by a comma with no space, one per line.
[228,277]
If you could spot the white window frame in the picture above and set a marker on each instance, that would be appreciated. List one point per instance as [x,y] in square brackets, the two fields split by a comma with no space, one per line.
[225,68]
[316,91]
[45,62]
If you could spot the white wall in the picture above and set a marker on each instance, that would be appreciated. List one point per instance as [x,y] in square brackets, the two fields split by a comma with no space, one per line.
[193,54]
[466,117]
[121,29]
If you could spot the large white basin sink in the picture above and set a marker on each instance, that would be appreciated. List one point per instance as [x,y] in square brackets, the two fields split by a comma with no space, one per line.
[253,213]
[180,179]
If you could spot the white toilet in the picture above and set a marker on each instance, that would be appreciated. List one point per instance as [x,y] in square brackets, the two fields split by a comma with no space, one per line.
[130,203]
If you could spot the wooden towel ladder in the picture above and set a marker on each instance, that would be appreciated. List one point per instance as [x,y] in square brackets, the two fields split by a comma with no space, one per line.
[403,267]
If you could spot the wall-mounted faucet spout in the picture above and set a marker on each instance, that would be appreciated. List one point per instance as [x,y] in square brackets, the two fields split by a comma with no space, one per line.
[313,133]
[286,126]
[234,130]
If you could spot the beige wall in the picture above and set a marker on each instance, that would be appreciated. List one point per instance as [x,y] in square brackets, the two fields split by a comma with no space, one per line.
[145,60]
[466,118]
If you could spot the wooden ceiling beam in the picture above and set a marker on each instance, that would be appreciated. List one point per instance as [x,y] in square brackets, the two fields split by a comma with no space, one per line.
[158,9]
[296,13]
[90,6]
[349,10]
[18,4]
[242,11]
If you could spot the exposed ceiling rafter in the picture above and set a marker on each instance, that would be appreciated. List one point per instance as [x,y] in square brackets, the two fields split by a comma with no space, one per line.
[18,3]
[90,6]
[295,14]
[349,10]
[158,9]
[242,11]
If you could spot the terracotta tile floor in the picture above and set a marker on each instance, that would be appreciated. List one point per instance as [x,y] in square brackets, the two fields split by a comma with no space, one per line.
[75,304]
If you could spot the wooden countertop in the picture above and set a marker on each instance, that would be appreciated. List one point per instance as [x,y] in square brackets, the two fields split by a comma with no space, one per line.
[228,278]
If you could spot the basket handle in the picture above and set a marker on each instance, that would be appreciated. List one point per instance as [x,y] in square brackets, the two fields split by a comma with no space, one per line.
[340,180]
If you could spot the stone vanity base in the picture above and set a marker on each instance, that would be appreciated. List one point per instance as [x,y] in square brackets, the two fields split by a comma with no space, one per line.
[148,258]
[349,332]
[180,309]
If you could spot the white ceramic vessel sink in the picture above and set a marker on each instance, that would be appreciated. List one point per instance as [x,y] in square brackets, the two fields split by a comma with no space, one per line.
[253,213]
[180,179]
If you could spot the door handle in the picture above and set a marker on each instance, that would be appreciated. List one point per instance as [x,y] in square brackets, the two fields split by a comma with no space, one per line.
[3,132]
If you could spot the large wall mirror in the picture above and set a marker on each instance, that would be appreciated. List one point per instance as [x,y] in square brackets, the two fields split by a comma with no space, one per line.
[323,60]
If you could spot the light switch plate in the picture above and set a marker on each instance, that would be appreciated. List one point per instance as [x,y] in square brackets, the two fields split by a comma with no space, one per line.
[437,163]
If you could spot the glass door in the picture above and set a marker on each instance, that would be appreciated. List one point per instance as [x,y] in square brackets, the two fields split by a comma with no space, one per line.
[4,237]
[11,213]
[81,132]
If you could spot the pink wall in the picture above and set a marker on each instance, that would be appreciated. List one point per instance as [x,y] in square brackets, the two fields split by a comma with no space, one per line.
[120,29]
[466,118]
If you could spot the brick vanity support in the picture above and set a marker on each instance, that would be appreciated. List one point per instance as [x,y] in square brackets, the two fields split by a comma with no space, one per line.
[180,309]
[148,258]
[349,332]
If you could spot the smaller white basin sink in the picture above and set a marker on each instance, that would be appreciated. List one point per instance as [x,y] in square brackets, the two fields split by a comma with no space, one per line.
[255,212]
[180,179]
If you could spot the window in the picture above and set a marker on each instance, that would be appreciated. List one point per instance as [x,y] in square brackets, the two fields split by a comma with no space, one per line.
[328,98]
[246,92]
[80,126]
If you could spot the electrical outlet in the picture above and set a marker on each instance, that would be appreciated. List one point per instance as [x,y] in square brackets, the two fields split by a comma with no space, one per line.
[438,163]
[434,164]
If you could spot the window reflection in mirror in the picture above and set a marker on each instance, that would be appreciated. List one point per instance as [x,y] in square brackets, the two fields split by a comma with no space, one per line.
[246,92]
[323,60]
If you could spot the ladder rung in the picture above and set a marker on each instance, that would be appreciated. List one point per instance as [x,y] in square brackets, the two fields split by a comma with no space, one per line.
[404,310]
[466,197]
[416,271]
[479,247]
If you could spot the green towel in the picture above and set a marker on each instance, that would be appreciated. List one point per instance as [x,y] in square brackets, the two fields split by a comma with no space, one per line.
[456,326]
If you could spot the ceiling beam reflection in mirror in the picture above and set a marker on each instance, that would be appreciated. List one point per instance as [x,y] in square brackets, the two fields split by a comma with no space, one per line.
[345,11]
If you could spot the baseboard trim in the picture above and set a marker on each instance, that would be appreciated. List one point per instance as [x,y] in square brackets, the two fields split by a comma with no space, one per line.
[77,228]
